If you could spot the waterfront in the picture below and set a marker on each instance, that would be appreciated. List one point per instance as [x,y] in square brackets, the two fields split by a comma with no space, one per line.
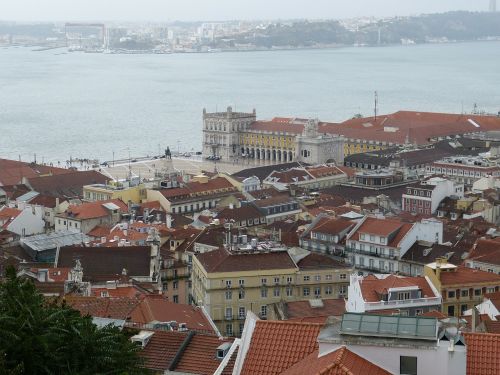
[99,106]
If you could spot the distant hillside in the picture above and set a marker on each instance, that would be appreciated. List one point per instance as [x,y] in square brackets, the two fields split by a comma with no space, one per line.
[452,26]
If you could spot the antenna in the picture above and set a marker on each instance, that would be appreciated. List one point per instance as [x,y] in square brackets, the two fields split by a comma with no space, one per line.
[375,110]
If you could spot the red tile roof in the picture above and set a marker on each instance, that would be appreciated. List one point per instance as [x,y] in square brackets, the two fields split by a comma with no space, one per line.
[197,188]
[199,356]
[434,314]
[161,349]
[276,126]
[414,127]
[492,326]
[222,260]
[115,308]
[8,214]
[46,201]
[331,225]
[93,209]
[494,298]
[462,276]
[373,287]
[340,362]
[303,309]
[67,184]
[483,353]
[316,261]
[385,228]
[12,171]
[277,345]
[486,251]
[160,309]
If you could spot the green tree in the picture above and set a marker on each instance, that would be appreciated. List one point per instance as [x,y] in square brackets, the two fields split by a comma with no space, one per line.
[40,337]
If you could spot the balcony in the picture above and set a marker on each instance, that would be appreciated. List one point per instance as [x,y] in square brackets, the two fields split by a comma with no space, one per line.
[371,253]
[398,304]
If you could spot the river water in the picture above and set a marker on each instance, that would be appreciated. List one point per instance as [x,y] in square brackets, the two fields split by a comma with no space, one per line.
[58,104]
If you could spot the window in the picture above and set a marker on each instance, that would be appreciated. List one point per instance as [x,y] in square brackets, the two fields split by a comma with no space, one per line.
[391,253]
[263,292]
[263,281]
[276,292]
[229,329]
[382,239]
[463,308]
[477,292]
[317,278]
[241,282]
[289,292]
[241,312]
[241,294]
[372,237]
[306,292]
[229,313]
[403,295]
[328,277]
[289,279]
[306,278]
[317,292]
[343,276]
[263,311]
[490,290]
[408,365]
[464,293]
[176,298]
[242,325]
[328,290]
[451,310]
[105,294]
[381,264]
[361,261]
[342,289]
[451,294]
[276,280]
[361,237]
[175,284]
[228,283]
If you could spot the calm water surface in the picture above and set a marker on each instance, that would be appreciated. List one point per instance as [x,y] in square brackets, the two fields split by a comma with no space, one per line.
[91,105]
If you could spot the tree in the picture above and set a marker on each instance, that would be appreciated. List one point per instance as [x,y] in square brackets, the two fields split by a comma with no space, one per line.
[41,337]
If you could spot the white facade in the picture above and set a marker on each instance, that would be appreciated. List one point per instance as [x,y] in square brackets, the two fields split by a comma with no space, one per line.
[251,184]
[28,222]
[436,358]
[486,307]
[316,148]
[358,304]
[373,252]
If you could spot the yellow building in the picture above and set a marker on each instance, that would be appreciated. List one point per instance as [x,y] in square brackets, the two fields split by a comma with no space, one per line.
[115,190]
[461,287]
[230,283]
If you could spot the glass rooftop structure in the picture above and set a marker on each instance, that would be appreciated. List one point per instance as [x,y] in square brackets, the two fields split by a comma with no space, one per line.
[420,328]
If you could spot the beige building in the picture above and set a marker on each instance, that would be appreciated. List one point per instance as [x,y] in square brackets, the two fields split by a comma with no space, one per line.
[461,288]
[230,283]
[116,190]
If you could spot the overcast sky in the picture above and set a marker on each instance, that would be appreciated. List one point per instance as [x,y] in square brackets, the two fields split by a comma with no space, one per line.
[191,10]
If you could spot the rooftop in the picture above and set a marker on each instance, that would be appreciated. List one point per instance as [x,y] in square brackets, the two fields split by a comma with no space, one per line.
[374,286]
[221,260]
[277,345]
[483,353]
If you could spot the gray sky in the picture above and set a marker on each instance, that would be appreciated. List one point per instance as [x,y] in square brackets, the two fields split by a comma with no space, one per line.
[190,10]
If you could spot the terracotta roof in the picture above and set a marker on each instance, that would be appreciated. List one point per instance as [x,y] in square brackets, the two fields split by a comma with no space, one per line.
[195,188]
[468,276]
[277,200]
[8,214]
[277,345]
[494,298]
[46,201]
[276,127]
[100,231]
[114,308]
[69,184]
[373,287]
[262,172]
[483,353]
[394,229]
[161,349]
[492,326]
[131,291]
[93,209]
[159,308]
[324,171]
[412,127]
[340,362]
[316,261]
[12,171]
[199,356]
[434,314]
[303,309]
[486,251]
[135,259]
[333,226]
[222,260]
